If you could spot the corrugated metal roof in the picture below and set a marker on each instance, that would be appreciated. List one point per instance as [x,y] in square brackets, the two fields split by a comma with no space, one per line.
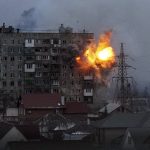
[124,120]
[109,107]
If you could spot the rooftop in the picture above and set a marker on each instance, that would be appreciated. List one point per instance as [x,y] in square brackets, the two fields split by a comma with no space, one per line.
[109,107]
[76,108]
[41,100]
[124,120]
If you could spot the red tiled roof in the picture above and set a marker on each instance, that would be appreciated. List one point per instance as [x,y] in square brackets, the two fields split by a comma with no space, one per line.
[41,100]
[76,108]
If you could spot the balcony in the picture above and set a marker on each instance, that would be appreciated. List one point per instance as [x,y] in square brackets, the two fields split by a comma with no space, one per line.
[88,77]
[29,43]
[55,83]
[88,92]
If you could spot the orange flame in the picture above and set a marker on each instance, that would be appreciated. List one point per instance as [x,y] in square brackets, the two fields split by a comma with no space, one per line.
[99,56]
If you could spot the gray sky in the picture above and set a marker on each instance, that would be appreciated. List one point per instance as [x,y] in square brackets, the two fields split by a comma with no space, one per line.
[129,20]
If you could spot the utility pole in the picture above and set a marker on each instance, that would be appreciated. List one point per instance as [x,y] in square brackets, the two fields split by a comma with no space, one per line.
[123,87]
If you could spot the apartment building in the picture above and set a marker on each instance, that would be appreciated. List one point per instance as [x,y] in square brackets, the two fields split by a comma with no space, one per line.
[43,62]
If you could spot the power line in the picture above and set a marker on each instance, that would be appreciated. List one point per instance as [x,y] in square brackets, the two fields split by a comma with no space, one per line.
[123,85]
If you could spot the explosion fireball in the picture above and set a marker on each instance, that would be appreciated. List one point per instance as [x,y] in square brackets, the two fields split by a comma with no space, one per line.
[99,57]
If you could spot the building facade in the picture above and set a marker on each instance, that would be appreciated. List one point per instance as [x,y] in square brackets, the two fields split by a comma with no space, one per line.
[35,62]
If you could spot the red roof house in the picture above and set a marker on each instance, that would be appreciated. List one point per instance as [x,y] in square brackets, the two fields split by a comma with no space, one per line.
[76,108]
[37,105]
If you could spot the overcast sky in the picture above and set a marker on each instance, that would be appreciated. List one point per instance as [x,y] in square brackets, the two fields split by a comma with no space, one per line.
[129,20]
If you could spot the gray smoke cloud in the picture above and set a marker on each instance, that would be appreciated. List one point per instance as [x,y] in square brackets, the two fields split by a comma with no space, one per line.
[128,19]
[28,19]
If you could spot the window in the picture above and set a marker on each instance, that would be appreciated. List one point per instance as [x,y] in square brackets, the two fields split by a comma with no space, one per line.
[79,99]
[19,50]
[19,83]
[12,58]
[88,99]
[28,91]
[37,50]
[5,67]
[38,74]
[20,58]
[38,41]
[4,74]
[55,82]
[64,66]
[55,91]
[20,75]
[64,41]
[4,83]
[46,41]
[38,57]
[12,67]
[12,75]
[54,50]
[55,41]
[38,65]
[13,41]
[5,58]
[12,83]
[88,90]
[29,41]
[29,111]
[12,50]
[45,50]
[29,58]
[19,66]
[45,57]
[5,42]
[29,66]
